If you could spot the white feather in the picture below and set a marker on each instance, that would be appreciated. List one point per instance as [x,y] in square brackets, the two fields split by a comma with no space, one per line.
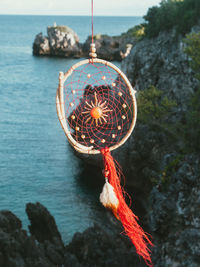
[108,197]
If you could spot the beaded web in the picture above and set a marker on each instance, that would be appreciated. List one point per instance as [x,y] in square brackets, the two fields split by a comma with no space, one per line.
[99,109]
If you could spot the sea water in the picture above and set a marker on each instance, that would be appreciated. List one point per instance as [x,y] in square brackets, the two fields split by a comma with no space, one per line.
[36,161]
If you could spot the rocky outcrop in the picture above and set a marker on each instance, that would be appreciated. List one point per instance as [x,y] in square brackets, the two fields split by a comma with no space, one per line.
[110,48]
[18,249]
[96,247]
[161,62]
[63,42]
[43,226]
[44,247]
[174,218]
[166,179]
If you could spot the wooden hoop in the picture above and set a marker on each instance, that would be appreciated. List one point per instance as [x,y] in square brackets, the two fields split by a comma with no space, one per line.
[61,110]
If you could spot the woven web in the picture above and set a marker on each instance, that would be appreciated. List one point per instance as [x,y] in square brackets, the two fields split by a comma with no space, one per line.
[80,88]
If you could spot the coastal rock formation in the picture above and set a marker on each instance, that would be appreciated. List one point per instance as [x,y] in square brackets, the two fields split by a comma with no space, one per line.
[43,225]
[63,42]
[96,247]
[110,48]
[175,219]
[161,62]
[166,179]
[18,249]
[44,247]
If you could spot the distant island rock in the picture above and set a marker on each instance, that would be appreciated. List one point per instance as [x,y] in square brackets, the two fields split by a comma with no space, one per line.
[62,41]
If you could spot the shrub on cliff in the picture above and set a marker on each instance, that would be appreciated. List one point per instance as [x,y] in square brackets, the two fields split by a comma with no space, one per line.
[192,49]
[192,125]
[181,14]
[152,106]
[137,31]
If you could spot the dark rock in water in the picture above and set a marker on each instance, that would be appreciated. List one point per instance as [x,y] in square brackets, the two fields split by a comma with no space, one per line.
[17,249]
[9,222]
[110,48]
[61,41]
[44,247]
[43,225]
[105,94]
[64,42]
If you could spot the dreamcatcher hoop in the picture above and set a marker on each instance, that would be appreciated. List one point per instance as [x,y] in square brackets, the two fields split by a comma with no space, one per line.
[61,108]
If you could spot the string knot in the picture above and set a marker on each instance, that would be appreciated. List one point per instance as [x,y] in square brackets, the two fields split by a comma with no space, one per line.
[105,151]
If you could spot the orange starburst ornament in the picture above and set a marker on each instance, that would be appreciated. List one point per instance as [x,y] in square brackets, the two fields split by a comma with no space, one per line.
[96,111]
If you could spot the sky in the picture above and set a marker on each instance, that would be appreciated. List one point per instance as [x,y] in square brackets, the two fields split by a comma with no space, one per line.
[77,7]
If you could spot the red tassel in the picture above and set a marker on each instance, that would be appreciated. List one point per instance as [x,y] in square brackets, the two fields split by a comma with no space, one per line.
[128,219]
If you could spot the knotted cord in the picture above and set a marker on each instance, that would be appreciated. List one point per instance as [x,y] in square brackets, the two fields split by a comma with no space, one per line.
[92,7]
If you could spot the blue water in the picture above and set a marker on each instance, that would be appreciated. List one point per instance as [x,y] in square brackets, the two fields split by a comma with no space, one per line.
[36,161]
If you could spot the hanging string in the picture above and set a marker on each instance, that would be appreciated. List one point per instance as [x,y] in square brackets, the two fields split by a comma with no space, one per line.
[92,4]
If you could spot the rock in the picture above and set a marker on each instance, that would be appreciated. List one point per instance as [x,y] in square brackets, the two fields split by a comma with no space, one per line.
[64,42]
[43,225]
[17,249]
[161,62]
[41,45]
[110,48]
[96,247]
[9,222]
[175,216]
[93,247]
[60,41]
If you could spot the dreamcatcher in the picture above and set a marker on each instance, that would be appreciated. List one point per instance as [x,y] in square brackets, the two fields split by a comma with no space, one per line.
[97,109]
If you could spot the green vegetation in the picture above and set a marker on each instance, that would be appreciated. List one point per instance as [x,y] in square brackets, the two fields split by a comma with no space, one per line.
[178,14]
[137,31]
[152,106]
[98,36]
[192,125]
[165,176]
[192,49]
[62,28]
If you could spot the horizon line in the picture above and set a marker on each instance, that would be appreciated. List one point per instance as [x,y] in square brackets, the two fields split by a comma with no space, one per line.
[63,15]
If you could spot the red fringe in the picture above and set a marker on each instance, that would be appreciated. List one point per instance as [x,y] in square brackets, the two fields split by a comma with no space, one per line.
[128,219]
